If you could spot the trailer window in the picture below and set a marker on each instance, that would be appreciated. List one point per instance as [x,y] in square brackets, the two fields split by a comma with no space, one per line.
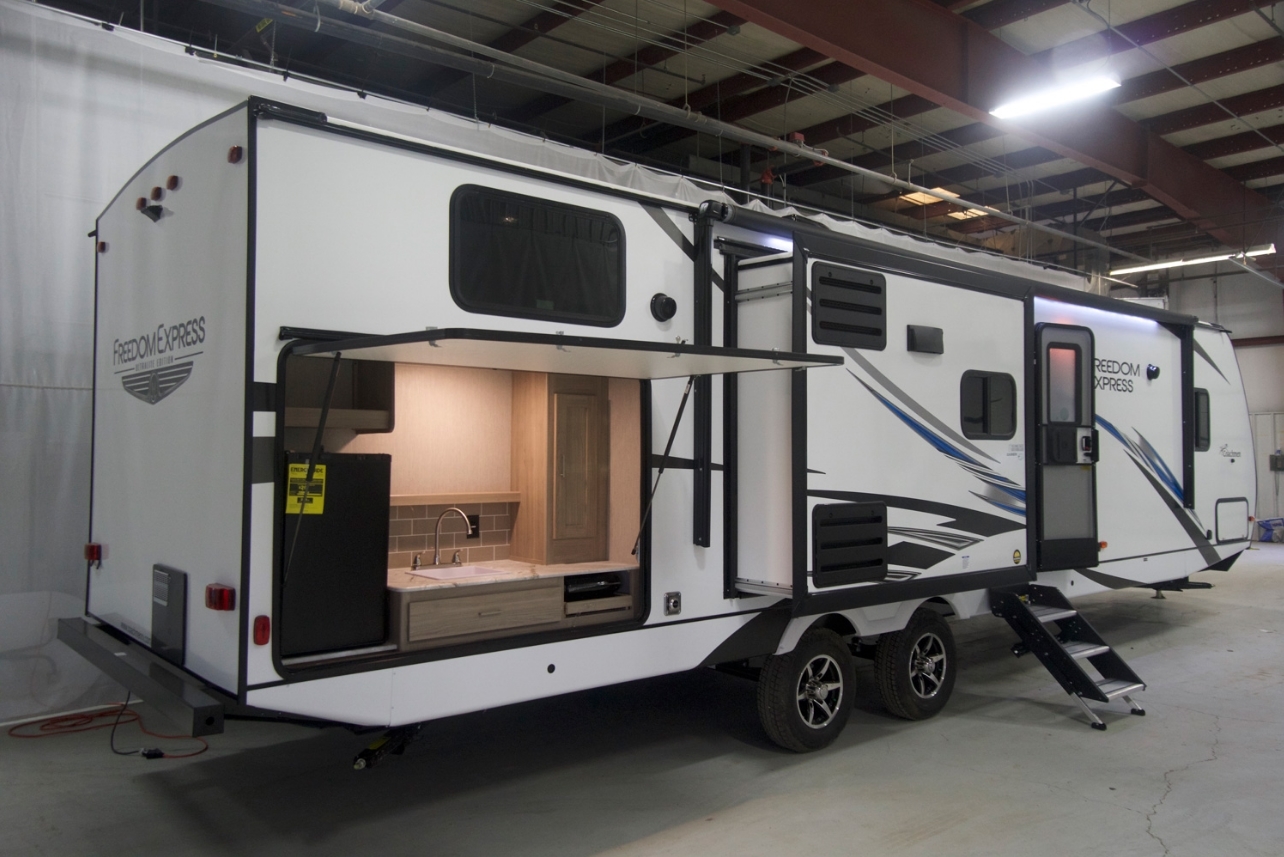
[521,256]
[988,405]
[1203,436]
[1063,384]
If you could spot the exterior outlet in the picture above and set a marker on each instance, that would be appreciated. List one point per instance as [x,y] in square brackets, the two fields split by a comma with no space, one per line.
[672,603]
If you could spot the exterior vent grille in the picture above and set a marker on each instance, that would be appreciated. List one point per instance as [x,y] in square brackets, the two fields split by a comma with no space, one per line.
[848,308]
[849,543]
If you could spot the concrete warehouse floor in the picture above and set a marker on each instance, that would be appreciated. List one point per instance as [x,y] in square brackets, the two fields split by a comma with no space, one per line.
[679,765]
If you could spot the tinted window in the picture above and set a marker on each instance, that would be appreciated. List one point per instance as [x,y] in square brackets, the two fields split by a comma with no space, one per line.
[522,256]
[1203,437]
[987,405]
[1063,384]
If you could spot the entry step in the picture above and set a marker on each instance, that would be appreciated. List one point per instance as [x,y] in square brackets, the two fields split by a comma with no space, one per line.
[1080,650]
[1052,614]
[1115,688]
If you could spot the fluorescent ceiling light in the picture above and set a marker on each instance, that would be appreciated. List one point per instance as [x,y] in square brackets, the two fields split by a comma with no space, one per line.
[1056,96]
[1203,260]
[920,198]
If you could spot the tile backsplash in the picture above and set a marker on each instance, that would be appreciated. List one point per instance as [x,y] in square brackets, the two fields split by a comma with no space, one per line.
[410,531]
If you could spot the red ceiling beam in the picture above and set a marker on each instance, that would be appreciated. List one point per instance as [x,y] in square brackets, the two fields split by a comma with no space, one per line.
[1197,71]
[936,54]
[674,43]
[1147,30]
[1257,170]
[1235,144]
[1000,13]
[1246,104]
[1248,57]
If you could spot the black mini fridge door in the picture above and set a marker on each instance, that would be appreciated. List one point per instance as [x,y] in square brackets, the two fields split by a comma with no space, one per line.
[334,554]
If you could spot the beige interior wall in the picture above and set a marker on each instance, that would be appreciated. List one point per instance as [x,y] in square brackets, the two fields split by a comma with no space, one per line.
[453,431]
[626,450]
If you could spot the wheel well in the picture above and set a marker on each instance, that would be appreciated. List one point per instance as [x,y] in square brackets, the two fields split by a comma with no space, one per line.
[940,605]
[837,623]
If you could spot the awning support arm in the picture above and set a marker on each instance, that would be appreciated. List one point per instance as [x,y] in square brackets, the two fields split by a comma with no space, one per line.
[668,447]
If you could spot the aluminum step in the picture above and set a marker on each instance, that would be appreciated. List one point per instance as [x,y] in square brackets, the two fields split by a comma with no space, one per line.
[1052,614]
[1079,650]
[1114,688]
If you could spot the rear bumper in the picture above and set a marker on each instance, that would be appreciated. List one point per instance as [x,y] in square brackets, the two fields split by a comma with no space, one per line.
[193,708]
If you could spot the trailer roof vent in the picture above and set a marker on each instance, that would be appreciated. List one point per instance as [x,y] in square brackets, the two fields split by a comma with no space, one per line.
[848,308]
[849,543]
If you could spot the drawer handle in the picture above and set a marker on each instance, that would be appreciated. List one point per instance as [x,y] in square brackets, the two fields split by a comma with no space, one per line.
[489,613]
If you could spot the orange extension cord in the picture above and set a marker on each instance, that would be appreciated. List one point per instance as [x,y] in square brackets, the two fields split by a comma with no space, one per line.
[108,718]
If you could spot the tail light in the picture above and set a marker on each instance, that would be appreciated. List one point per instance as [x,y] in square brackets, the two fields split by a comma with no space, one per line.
[262,630]
[220,597]
[94,554]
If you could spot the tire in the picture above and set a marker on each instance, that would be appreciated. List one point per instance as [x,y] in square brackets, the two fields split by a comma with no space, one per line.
[805,697]
[916,665]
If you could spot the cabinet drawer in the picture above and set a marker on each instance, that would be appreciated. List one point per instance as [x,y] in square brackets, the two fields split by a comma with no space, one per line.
[471,614]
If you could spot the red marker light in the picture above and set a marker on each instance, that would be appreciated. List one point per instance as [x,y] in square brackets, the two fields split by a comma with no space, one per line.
[140,203]
[262,630]
[158,194]
[94,554]
[172,183]
[220,597]
[1104,545]
[234,155]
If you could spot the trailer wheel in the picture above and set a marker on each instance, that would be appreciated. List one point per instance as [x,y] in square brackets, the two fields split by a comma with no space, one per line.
[915,666]
[804,697]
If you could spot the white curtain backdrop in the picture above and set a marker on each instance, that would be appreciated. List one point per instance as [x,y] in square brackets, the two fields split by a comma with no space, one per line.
[82,108]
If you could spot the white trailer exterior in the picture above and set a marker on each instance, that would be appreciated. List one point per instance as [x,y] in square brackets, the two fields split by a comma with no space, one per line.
[265,234]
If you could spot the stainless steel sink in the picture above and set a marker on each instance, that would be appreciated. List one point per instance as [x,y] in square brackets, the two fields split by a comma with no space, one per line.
[455,572]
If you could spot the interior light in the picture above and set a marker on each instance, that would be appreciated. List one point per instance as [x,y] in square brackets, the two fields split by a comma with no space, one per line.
[1202,260]
[1056,96]
[920,198]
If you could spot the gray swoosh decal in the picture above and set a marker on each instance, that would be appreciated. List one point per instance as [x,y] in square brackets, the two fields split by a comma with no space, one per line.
[671,229]
[1199,349]
[914,406]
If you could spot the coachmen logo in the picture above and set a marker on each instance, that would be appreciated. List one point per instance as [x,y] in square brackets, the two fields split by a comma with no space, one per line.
[159,361]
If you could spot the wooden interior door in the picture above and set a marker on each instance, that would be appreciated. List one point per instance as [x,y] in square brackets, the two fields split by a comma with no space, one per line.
[579,456]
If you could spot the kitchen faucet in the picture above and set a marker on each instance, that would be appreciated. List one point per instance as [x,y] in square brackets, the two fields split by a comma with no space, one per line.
[436,546]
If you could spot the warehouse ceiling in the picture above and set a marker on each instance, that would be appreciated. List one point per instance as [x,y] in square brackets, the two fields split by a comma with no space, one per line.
[1184,159]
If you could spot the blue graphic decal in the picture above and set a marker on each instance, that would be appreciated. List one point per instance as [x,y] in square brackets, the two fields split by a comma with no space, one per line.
[1145,454]
[1016,504]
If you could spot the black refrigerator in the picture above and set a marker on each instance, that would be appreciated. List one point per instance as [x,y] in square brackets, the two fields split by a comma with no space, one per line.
[334,560]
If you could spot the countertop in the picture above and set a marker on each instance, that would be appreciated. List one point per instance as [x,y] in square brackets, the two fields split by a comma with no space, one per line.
[506,570]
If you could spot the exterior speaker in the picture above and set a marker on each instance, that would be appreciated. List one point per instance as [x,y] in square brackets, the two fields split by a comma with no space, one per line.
[169,613]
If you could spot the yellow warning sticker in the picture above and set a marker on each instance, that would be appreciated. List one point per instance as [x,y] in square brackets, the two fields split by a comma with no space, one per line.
[301,494]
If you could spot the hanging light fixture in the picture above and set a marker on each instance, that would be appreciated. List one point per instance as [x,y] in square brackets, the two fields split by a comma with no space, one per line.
[1056,96]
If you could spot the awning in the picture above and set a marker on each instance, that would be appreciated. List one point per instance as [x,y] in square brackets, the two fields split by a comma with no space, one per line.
[567,355]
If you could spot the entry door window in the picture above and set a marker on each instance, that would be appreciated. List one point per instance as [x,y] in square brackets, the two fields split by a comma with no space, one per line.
[1063,384]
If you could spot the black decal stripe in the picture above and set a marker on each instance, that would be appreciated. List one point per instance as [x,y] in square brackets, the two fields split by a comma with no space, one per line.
[759,636]
[671,229]
[1199,349]
[1206,549]
[967,520]
[915,556]
[1107,580]
[262,460]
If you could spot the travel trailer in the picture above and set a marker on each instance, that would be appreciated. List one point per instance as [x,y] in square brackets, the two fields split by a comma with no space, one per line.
[386,432]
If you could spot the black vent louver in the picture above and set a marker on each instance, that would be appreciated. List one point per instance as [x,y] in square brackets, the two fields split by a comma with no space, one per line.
[848,308]
[849,543]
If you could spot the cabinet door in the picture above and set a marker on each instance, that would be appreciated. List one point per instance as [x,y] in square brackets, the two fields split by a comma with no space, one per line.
[579,455]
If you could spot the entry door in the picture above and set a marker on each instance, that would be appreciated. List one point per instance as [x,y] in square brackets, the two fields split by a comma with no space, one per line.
[1067,448]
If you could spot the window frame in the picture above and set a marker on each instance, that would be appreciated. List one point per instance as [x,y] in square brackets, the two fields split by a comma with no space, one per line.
[512,311]
[986,377]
